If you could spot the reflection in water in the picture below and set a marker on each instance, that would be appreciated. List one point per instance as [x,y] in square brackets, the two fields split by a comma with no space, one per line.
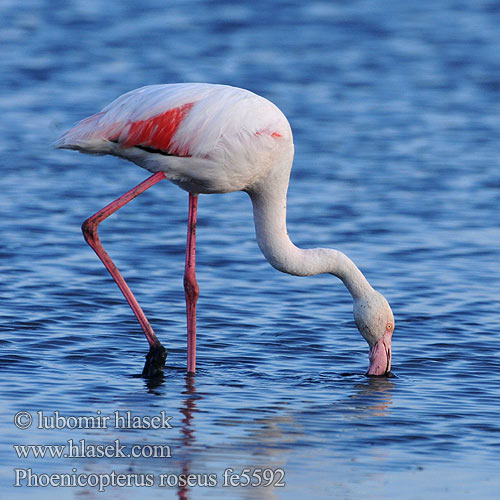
[269,441]
[188,409]
[179,465]
[373,397]
[187,430]
[273,441]
[274,436]
[272,444]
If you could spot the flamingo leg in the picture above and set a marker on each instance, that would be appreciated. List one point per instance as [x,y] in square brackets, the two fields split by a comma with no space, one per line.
[191,288]
[156,357]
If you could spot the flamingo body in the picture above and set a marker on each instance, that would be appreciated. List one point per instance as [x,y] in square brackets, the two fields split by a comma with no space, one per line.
[217,139]
[206,138]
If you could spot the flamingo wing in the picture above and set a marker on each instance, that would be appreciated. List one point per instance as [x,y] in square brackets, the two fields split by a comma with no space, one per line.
[230,129]
[152,117]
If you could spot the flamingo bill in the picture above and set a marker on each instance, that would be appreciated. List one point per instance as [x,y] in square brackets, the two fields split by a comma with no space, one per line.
[380,356]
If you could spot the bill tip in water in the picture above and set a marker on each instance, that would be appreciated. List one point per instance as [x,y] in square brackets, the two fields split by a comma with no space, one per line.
[388,374]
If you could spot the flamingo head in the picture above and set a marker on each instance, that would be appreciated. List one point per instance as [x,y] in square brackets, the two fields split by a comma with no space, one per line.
[375,322]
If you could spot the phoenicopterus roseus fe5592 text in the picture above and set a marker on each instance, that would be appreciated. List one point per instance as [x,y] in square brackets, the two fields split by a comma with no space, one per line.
[218,139]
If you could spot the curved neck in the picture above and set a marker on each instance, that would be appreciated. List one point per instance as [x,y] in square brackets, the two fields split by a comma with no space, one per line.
[269,209]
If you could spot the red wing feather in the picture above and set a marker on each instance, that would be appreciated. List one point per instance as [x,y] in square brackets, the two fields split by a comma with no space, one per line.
[156,132]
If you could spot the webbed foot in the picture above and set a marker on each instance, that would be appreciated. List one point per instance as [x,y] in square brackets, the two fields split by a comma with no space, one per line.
[155,361]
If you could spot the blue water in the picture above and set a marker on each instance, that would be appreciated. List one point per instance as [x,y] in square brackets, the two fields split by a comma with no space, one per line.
[395,108]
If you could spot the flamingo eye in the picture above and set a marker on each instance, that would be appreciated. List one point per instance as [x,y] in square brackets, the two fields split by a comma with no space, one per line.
[388,327]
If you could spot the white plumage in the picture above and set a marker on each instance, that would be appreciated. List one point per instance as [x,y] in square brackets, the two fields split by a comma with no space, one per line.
[234,131]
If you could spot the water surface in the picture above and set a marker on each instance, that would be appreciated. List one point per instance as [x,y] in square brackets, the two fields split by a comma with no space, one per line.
[395,109]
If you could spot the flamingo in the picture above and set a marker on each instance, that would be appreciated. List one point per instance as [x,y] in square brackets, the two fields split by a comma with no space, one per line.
[209,138]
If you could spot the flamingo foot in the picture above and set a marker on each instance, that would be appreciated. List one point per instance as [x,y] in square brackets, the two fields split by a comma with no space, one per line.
[155,361]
